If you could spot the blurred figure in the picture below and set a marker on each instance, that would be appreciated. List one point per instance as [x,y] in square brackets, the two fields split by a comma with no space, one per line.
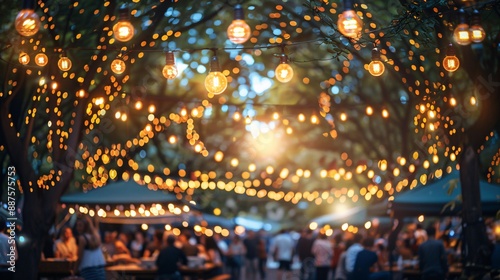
[190,250]
[352,252]
[323,252]
[432,257]
[283,250]
[214,255]
[235,257]
[154,247]
[366,265]
[338,249]
[251,260]
[138,245]
[262,254]
[306,257]
[65,247]
[168,261]
[90,262]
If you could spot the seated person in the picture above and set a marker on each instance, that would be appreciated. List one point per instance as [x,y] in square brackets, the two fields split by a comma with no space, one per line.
[153,248]
[169,259]
[65,247]
[116,251]
[189,249]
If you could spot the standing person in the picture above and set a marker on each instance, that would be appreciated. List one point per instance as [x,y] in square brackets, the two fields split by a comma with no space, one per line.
[262,254]
[338,249]
[65,247]
[323,252]
[168,261]
[283,250]
[366,262]
[352,252]
[235,256]
[251,260]
[432,257]
[90,262]
[306,257]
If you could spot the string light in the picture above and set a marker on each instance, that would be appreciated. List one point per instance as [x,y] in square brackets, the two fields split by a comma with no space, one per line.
[477,33]
[24,58]
[118,66]
[450,61]
[169,70]
[64,63]
[27,21]
[461,32]
[215,82]
[349,23]
[41,59]
[123,30]
[238,31]
[283,72]
[376,67]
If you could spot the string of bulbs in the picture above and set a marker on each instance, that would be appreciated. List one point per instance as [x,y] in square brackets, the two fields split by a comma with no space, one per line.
[350,25]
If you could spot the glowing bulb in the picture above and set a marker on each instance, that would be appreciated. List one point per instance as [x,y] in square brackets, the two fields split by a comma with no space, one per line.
[451,62]
[215,82]
[24,58]
[376,67]
[81,93]
[477,33]
[118,66]
[349,24]
[41,59]
[461,34]
[27,22]
[64,63]
[169,70]
[238,31]
[123,30]
[283,72]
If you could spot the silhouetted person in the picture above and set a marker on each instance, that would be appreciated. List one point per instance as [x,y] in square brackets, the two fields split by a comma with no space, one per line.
[169,259]
[432,257]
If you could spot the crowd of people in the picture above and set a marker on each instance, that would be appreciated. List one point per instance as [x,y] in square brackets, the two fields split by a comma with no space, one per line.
[308,254]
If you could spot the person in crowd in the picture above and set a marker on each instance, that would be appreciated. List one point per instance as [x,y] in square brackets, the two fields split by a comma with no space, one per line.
[137,245]
[108,247]
[214,255]
[90,263]
[154,247]
[168,261]
[121,244]
[420,234]
[251,261]
[323,252]
[65,247]
[283,251]
[432,257]
[338,249]
[236,255]
[304,252]
[403,248]
[366,265]
[352,252]
[189,249]
[262,254]
[340,271]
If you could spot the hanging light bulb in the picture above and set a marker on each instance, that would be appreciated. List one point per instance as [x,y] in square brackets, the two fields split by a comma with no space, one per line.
[118,66]
[123,30]
[450,61]
[169,70]
[283,72]
[215,82]
[27,21]
[461,32]
[41,59]
[64,63]
[477,33]
[376,67]
[238,31]
[349,23]
[24,58]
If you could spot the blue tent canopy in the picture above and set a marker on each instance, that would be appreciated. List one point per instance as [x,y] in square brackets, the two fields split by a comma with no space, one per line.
[120,193]
[432,199]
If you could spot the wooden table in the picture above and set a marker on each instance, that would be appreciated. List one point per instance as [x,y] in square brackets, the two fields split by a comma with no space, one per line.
[55,268]
[198,272]
[134,271]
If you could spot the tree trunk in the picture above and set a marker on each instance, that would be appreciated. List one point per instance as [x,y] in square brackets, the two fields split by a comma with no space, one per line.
[475,247]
